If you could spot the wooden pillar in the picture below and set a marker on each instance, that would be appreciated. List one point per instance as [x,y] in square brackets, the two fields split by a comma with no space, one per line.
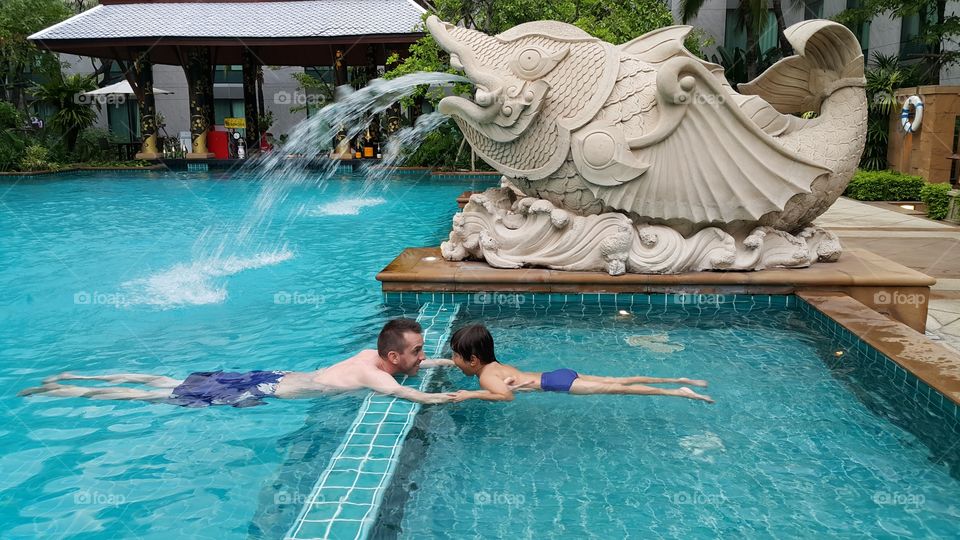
[200,83]
[394,113]
[371,74]
[341,143]
[143,72]
[250,111]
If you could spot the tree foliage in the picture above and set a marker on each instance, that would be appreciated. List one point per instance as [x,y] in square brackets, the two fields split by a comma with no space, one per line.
[20,60]
[73,114]
[939,30]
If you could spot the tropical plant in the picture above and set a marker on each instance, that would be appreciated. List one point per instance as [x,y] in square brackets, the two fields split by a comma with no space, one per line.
[73,113]
[884,75]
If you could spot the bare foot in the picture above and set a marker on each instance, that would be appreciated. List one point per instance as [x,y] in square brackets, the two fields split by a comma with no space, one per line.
[694,382]
[60,377]
[688,393]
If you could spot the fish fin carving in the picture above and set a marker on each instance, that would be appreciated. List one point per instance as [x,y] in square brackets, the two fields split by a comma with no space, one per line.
[602,155]
[829,58]
[708,161]
[659,45]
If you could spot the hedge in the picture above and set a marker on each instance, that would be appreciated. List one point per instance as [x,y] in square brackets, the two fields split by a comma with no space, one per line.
[936,198]
[884,186]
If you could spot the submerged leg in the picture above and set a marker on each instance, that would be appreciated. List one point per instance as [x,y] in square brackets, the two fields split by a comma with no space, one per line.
[643,380]
[580,386]
[157,381]
[103,392]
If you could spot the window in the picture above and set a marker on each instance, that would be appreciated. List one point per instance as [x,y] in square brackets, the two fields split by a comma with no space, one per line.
[812,9]
[227,108]
[228,74]
[863,32]
[911,27]
[123,120]
[735,37]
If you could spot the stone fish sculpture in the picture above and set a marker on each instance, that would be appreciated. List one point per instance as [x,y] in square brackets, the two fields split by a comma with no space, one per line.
[642,158]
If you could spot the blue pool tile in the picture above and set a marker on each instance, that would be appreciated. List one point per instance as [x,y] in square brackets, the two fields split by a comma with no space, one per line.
[311,529]
[341,478]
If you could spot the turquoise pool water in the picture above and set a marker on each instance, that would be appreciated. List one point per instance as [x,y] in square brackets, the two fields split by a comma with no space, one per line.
[800,444]
[105,273]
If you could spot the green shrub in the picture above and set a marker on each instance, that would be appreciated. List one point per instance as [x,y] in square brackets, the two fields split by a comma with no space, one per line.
[936,198]
[36,158]
[884,186]
[10,117]
[95,144]
[12,141]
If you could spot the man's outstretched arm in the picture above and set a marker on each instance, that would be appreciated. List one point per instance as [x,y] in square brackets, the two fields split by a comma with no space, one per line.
[437,362]
[386,384]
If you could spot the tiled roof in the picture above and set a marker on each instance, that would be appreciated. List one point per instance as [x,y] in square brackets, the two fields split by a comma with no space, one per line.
[297,19]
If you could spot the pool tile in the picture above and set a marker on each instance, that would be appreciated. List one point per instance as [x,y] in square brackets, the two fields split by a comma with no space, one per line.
[361,468]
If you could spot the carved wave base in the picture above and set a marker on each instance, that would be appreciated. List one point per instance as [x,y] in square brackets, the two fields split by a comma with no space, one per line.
[509,233]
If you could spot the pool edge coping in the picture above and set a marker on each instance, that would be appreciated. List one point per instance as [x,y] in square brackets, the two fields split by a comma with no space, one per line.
[903,345]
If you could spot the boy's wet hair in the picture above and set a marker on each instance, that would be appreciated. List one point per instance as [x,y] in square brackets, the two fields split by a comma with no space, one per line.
[473,340]
[391,337]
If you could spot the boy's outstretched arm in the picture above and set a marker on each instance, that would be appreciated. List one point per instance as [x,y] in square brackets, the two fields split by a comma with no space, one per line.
[493,389]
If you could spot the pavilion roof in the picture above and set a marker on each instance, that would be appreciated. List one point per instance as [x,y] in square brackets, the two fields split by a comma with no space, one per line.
[273,28]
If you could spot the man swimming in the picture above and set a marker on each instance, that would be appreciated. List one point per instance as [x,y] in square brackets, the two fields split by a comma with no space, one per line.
[473,353]
[399,351]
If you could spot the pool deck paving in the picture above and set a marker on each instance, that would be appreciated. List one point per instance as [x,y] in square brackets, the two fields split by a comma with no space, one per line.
[924,245]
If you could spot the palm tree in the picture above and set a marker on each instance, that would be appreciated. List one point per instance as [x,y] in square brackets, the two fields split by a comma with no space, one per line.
[74,112]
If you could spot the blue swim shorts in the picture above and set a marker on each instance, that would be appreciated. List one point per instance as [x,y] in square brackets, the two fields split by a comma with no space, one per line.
[206,388]
[558,380]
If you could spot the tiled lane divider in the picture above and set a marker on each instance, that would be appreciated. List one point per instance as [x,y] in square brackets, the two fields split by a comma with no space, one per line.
[345,501]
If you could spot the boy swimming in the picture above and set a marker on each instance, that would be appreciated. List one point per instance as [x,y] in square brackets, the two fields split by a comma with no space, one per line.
[473,353]
[399,351]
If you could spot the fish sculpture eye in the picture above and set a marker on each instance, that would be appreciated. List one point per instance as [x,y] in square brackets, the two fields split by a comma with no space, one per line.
[533,62]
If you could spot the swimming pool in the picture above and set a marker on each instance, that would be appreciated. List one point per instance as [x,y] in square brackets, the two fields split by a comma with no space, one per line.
[802,442]
[140,273]
[119,272]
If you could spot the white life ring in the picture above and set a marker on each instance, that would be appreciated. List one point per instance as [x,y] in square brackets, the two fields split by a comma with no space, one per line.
[905,123]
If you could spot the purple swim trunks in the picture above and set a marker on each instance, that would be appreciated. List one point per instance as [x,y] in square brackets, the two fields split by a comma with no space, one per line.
[558,380]
[206,388]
